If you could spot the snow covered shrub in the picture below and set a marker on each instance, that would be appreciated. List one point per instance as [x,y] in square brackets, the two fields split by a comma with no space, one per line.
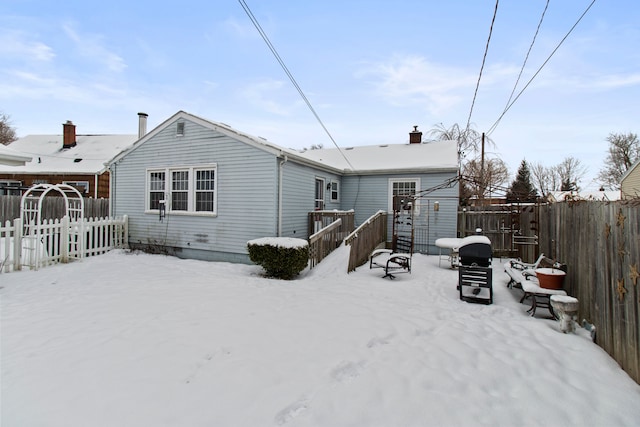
[281,257]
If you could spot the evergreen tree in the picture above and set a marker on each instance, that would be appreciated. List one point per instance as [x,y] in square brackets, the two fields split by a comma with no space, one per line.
[522,190]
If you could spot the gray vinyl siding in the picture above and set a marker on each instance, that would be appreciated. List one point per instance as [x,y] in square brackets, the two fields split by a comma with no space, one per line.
[369,194]
[246,194]
[630,185]
[299,197]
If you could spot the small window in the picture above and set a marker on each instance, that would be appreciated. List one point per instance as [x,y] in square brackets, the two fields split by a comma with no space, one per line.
[10,188]
[156,189]
[404,187]
[180,190]
[205,190]
[81,186]
[335,191]
[180,129]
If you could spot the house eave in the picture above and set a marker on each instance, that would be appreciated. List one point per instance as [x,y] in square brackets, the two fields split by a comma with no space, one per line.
[399,171]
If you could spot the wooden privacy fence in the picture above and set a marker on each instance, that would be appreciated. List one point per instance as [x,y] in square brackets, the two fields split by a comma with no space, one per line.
[52,208]
[58,241]
[366,238]
[600,243]
[324,242]
[512,228]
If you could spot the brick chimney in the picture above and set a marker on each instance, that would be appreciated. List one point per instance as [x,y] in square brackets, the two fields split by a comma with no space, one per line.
[415,136]
[142,124]
[68,135]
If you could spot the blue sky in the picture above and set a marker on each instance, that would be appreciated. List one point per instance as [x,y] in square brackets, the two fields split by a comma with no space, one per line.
[371,69]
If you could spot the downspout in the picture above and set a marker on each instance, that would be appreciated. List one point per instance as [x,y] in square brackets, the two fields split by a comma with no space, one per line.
[95,186]
[112,178]
[280,193]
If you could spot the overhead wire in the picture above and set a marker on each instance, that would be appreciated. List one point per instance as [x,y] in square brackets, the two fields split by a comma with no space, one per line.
[273,50]
[495,124]
[484,58]
[526,58]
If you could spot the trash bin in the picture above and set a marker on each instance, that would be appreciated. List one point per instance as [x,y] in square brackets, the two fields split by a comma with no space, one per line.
[474,272]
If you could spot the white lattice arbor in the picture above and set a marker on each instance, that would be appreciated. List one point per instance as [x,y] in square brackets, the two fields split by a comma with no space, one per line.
[33,225]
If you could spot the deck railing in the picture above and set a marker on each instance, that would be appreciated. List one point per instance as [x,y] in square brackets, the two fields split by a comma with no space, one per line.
[366,238]
[324,242]
[321,219]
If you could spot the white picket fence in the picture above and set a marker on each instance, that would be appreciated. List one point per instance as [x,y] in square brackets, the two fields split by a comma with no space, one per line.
[58,241]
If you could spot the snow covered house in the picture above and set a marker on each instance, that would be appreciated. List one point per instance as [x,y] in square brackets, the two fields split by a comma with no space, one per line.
[599,195]
[201,189]
[70,158]
[10,157]
[630,182]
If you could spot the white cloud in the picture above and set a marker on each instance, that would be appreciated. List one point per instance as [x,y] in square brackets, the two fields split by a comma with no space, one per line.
[91,46]
[263,95]
[414,80]
[21,45]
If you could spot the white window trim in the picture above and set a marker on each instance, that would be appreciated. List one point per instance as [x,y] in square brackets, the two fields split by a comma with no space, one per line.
[315,199]
[84,184]
[180,129]
[337,183]
[416,210]
[191,203]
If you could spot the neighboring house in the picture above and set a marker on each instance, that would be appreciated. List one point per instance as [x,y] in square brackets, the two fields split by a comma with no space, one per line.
[201,189]
[630,182]
[70,158]
[10,157]
[603,196]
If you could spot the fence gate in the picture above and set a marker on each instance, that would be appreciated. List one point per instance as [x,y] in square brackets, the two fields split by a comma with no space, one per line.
[512,228]
[35,245]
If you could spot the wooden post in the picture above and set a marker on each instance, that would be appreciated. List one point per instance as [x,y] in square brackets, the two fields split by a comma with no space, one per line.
[17,244]
[125,243]
[64,239]
[482,177]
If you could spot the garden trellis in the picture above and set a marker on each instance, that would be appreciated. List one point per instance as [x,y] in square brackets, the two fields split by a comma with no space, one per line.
[35,230]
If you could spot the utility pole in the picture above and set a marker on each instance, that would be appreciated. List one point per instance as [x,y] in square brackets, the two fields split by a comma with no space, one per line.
[482,183]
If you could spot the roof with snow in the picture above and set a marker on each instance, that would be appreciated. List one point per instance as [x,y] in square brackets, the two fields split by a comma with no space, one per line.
[433,156]
[10,157]
[604,196]
[389,158]
[88,156]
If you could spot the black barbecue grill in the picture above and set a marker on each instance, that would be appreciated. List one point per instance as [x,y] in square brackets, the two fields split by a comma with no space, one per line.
[474,271]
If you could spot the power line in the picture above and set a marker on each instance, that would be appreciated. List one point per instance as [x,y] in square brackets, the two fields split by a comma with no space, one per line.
[526,58]
[493,127]
[288,73]
[484,58]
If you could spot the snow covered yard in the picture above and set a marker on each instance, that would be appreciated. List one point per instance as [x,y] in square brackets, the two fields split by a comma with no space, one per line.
[147,340]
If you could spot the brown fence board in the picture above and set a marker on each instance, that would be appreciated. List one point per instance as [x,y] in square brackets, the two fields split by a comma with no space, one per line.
[599,241]
[52,208]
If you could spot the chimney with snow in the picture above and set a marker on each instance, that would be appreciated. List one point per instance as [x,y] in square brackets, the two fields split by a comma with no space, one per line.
[142,124]
[68,134]
[415,136]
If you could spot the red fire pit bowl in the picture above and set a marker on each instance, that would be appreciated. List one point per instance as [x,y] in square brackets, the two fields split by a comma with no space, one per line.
[550,278]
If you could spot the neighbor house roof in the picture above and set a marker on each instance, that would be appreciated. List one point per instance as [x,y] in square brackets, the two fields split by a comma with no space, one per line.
[10,157]
[630,170]
[88,156]
[389,158]
[605,196]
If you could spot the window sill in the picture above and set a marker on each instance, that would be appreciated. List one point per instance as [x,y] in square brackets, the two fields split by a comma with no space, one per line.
[174,213]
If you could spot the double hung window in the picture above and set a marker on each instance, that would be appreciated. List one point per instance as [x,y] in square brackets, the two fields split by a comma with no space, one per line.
[404,187]
[189,189]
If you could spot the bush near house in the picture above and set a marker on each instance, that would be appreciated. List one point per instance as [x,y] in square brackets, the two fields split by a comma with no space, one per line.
[281,257]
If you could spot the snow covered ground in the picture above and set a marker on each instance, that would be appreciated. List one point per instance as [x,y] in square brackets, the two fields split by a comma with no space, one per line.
[147,340]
